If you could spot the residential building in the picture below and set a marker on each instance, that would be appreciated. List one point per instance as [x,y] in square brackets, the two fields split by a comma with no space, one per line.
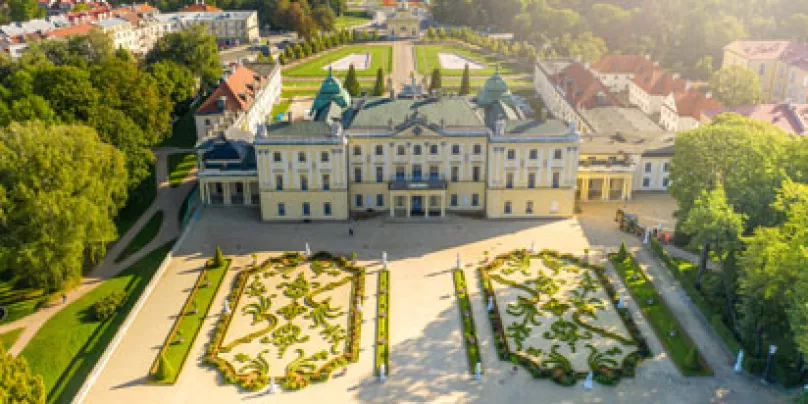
[781,65]
[241,102]
[423,156]
[683,110]
[618,71]
[229,27]
[791,118]
[120,32]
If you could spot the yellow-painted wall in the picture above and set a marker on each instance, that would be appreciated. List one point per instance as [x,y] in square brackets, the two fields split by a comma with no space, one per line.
[544,199]
[293,202]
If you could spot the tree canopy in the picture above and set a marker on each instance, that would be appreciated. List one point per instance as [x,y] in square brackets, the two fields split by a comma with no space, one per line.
[17,383]
[193,48]
[736,85]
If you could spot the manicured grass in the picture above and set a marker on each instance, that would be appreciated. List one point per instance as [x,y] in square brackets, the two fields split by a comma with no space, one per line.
[19,302]
[282,106]
[139,200]
[467,321]
[426,57]
[298,93]
[347,21]
[685,272]
[183,133]
[658,314]
[7,339]
[380,56]
[146,234]
[383,324]
[181,338]
[179,165]
[67,347]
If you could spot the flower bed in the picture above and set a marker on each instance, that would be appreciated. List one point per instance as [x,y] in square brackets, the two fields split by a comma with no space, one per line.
[260,332]
[383,324]
[555,293]
[172,356]
[467,321]
[680,347]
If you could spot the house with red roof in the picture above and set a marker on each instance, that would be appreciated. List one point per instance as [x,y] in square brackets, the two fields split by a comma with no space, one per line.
[683,110]
[240,104]
[791,118]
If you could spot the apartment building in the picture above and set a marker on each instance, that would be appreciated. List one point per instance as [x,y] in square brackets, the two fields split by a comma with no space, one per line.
[781,65]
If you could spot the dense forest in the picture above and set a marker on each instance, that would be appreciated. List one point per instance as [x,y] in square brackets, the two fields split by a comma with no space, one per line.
[684,35]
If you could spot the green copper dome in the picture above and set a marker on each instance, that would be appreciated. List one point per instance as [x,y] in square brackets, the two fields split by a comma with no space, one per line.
[495,89]
[331,90]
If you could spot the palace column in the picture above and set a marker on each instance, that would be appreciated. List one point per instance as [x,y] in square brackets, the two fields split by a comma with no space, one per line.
[409,205]
[226,189]
[604,191]
[392,205]
[427,197]
[443,205]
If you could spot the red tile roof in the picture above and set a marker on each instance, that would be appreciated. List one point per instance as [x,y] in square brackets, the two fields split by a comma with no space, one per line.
[79,29]
[583,87]
[693,103]
[789,117]
[200,7]
[236,90]
[627,64]
[659,82]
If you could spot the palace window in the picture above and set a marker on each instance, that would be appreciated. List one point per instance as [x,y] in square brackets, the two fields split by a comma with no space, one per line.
[475,199]
[401,150]
[400,200]
[325,157]
[279,183]
[359,200]
[379,174]
[453,199]
[434,173]
[478,149]
[666,167]
[534,154]
[556,179]
[281,209]
[646,182]
[511,154]
[665,182]
[433,149]
[357,174]
[379,150]
[455,174]
[326,182]
[327,209]
[529,208]
[416,150]
[648,167]
[531,180]
[455,149]
[557,154]
[379,200]
[508,207]
[306,209]
[276,157]
[475,173]
[301,157]
[509,180]
[304,183]
[357,150]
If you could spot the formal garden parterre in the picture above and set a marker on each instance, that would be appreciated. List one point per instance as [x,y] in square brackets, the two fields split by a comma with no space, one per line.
[293,319]
[559,317]
[467,322]
[383,323]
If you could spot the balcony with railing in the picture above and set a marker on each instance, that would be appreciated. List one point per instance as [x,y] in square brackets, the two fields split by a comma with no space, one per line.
[415,182]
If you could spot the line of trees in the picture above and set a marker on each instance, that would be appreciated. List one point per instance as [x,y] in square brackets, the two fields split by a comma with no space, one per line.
[684,35]
[77,124]
[741,187]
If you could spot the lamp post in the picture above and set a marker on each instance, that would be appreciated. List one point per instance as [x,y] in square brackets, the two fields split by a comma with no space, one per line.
[767,373]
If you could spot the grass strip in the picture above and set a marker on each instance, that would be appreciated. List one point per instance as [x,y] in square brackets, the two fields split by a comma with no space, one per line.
[383,323]
[680,347]
[179,166]
[70,343]
[467,321]
[8,338]
[176,346]
[380,56]
[427,57]
[348,21]
[143,237]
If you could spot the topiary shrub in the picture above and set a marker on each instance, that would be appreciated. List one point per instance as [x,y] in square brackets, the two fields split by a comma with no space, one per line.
[622,253]
[165,371]
[106,307]
[218,258]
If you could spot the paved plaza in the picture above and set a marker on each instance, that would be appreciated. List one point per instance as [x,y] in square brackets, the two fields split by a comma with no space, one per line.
[427,362]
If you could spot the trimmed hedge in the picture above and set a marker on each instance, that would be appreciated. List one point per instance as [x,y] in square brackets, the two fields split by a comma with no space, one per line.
[674,266]
[558,369]
[467,321]
[383,323]
[106,307]
[176,348]
[656,311]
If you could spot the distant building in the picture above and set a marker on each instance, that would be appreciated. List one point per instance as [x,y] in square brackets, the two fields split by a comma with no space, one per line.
[791,118]
[781,65]
[403,23]
[199,7]
[229,27]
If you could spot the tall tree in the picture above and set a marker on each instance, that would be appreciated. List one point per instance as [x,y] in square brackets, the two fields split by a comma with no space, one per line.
[465,81]
[378,87]
[435,82]
[736,85]
[17,383]
[67,187]
[24,10]
[173,80]
[351,83]
[193,48]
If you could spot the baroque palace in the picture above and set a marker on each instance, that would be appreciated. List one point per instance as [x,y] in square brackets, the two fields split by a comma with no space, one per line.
[423,155]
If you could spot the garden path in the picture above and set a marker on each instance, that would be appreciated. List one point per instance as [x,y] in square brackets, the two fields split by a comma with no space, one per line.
[168,199]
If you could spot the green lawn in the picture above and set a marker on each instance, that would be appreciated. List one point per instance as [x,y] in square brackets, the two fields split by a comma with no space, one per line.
[426,57]
[19,302]
[383,325]
[188,324]
[660,317]
[139,200]
[348,21]
[146,234]
[467,321]
[8,338]
[67,347]
[179,166]
[380,56]
[282,106]
[183,132]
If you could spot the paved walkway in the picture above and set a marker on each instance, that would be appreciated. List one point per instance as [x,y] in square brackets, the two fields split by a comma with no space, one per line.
[404,65]
[168,199]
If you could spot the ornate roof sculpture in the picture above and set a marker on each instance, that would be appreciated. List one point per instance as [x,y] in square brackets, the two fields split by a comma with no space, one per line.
[330,91]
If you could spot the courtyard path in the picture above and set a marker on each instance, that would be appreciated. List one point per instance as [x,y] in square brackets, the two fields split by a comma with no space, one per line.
[404,65]
[168,199]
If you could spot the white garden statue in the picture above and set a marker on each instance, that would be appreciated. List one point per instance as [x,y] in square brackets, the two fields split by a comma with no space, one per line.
[384,259]
[739,362]
[588,381]
[458,260]
[478,371]
[490,303]
[227,306]
[273,388]
[308,250]
[647,236]
[382,375]
[532,247]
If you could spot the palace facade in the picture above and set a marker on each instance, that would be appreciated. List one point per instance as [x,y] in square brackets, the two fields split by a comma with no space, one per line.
[403,157]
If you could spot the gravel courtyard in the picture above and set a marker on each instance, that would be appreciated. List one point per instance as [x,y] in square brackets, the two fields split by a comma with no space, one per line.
[428,361]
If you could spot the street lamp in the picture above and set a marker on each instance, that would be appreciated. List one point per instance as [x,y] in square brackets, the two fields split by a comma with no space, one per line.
[767,373]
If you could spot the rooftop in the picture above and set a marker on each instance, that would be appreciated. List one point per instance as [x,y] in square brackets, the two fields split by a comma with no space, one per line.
[789,117]
[624,64]
[582,88]
[767,50]
[693,103]
[238,90]
[79,29]
[646,144]
[206,8]
[451,111]
[608,120]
